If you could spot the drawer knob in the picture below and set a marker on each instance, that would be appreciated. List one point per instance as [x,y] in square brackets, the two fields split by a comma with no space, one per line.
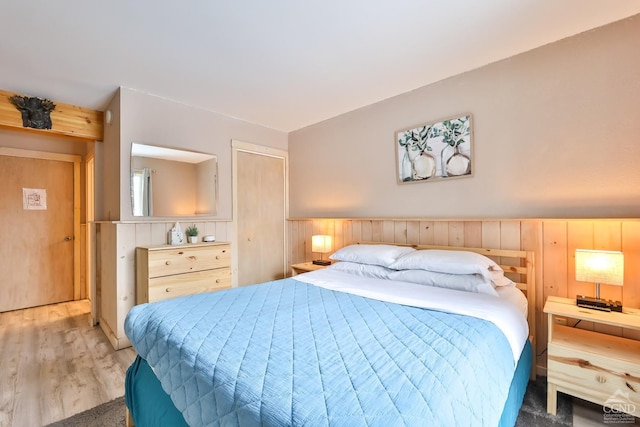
[601,379]
[167,290]
[217,280]
[167,263]
[217,256]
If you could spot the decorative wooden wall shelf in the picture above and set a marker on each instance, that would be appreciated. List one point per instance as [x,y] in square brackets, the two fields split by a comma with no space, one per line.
[68,120]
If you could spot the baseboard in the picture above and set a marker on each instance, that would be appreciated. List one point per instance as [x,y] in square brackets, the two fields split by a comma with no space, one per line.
[116,343]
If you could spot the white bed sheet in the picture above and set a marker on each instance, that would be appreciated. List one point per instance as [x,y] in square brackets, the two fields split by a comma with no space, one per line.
[505,311]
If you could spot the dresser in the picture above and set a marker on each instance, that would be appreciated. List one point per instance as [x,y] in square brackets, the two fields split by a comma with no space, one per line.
[168,271]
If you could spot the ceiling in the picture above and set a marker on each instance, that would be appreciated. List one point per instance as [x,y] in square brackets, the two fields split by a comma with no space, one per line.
[284,64]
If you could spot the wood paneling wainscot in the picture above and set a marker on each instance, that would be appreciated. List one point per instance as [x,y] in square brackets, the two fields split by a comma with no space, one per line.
[115,279]
[552,240]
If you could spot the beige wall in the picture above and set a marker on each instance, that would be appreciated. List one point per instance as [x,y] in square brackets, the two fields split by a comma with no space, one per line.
[556,134]
[139,117]
[42,142]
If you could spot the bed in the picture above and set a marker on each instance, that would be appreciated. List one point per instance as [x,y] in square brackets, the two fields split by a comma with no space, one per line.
[389,335]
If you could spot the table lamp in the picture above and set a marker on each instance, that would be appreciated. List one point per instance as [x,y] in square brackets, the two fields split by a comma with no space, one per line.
[598,267]
[321,243]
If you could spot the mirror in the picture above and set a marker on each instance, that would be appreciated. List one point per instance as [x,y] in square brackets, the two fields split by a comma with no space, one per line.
[169,182]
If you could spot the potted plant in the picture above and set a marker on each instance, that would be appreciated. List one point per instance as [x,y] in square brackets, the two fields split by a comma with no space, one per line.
[192,232]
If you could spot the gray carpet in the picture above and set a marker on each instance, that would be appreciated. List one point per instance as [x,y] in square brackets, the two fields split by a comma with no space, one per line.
[532,413]
[110,414]
[534,407]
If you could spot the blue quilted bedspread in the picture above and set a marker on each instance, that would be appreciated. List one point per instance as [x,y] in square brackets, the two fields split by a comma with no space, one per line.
[288,353]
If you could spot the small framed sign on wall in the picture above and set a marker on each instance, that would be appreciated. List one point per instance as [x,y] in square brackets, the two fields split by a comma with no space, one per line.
[34,199]
[435,151]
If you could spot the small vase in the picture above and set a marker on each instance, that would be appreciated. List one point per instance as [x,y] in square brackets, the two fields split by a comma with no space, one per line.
[424,166]
[406,167]
[458,164]
[193,239]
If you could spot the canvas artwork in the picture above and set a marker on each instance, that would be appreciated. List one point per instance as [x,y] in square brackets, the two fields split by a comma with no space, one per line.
[436,151]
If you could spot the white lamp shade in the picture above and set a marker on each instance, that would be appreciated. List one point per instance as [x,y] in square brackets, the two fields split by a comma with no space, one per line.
[321,243]
[605,267]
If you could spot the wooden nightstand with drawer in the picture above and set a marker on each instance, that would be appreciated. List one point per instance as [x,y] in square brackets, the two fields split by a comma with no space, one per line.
[168,271]
[591,365]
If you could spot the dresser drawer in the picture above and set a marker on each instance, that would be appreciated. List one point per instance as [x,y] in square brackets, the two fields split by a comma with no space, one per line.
[596,377]
[184,260]
[161,288]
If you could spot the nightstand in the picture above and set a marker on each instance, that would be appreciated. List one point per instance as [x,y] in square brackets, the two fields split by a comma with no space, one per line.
[591,365]
[305,267]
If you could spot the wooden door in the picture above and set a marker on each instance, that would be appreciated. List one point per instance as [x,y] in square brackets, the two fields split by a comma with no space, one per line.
[37,248]
[260,195]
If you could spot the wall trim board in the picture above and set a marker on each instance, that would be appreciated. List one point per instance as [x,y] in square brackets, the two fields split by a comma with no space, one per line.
[317,218]
[68,120]
[553,242]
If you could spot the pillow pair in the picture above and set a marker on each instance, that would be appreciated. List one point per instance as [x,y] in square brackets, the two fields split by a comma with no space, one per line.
[453,262]
[459,270]
[462,282]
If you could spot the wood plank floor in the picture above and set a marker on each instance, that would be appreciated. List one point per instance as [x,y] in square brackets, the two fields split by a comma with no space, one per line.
[53,364]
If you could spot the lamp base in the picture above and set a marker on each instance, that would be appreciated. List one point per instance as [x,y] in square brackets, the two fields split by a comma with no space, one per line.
[598,303]
[321,262]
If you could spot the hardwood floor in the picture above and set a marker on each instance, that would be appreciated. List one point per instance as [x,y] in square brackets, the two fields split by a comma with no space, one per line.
[53,364]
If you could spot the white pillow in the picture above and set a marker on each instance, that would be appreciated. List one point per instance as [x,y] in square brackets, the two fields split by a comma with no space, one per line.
[364,270]
[383,255]
[452,262]
[499,279]
[461,282]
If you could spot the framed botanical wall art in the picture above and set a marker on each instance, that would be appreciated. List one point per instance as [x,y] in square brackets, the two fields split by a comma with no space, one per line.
[435,151]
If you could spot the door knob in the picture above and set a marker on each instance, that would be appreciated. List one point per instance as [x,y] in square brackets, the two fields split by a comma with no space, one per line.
[68,238]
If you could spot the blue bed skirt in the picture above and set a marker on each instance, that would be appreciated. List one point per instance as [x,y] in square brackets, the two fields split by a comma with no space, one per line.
[150,406]
[518,388]
[148,403]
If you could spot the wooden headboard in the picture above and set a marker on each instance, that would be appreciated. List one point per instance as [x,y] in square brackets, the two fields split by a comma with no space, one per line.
[518,265]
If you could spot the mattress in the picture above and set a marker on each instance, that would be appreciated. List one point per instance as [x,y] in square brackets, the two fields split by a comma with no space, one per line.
[292,353]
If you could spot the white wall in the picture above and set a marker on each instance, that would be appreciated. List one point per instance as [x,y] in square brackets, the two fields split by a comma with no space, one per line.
[148,119]
[556,134]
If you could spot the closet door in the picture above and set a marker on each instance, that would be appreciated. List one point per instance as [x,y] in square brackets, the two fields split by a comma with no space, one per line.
[259,214]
